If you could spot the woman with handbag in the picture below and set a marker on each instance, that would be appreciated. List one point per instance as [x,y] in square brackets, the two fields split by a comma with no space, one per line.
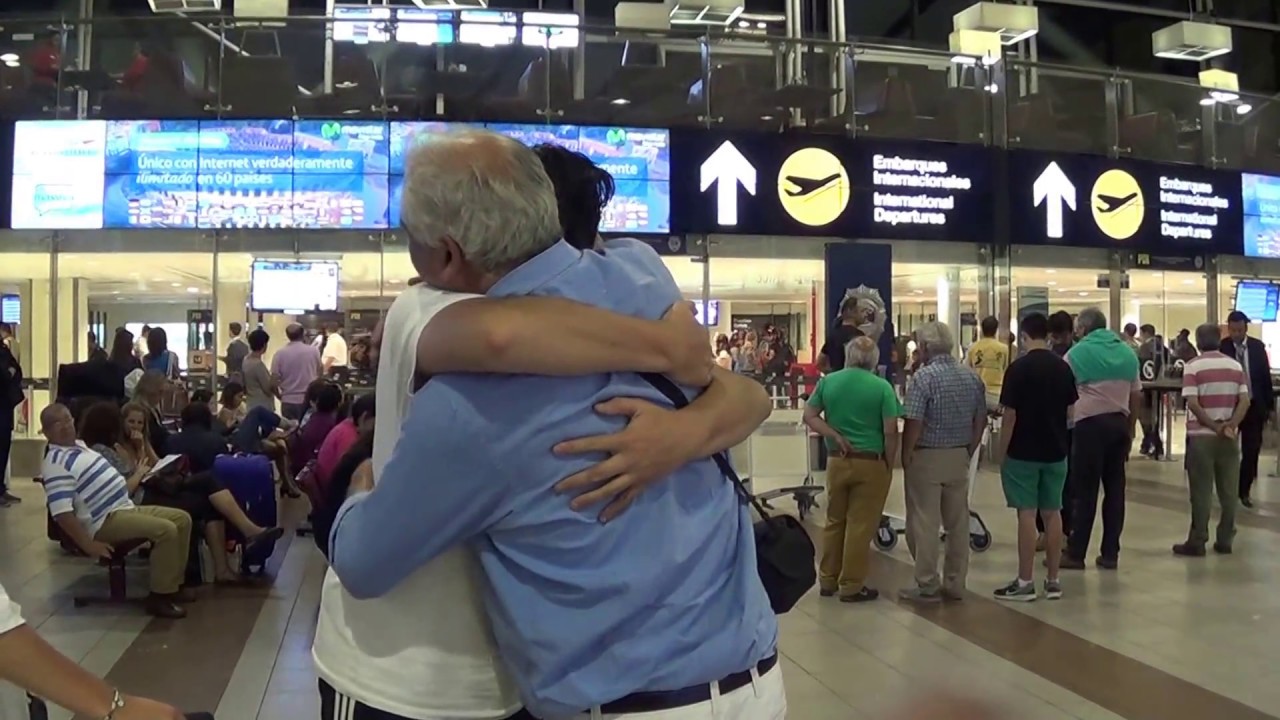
[159,357]
[117,435]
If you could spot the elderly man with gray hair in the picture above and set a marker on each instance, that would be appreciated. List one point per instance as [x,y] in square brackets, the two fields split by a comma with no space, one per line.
[1106,370]
[1217,401]
[857,412]
[592,619]
[946,412]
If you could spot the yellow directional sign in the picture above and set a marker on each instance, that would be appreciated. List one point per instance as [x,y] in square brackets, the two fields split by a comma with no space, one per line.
[1117,204]
[813,187]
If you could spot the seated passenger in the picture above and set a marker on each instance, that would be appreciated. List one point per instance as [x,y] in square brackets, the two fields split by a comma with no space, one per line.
[197,493]
[148,394]
[343,436]
[325,415]
[231,407]
[89,500]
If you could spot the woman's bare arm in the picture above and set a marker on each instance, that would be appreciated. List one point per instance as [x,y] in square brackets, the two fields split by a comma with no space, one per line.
[553,336]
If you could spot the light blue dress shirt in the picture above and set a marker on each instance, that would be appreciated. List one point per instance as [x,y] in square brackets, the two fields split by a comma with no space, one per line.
[664,597]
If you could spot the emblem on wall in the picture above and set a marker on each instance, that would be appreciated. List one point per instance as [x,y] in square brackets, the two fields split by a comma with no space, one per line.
[870,314]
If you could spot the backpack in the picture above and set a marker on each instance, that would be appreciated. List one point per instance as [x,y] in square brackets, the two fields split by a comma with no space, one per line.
[11,395]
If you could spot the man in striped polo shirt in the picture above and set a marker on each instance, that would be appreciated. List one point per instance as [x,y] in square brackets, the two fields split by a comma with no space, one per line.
[90,502]
[1217,400]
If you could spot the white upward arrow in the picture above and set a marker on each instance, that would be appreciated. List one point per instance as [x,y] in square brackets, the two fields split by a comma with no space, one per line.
[1053,189]
[726,168]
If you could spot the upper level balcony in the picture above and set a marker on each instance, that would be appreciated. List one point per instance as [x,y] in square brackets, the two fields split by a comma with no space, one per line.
[521,68]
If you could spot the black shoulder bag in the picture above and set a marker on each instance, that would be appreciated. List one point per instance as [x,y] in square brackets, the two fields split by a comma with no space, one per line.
[784,552]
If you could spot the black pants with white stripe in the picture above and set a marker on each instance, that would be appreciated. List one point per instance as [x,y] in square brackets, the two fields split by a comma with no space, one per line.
[336,706]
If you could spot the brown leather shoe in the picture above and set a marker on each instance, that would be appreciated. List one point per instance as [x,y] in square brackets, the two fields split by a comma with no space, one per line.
[184,596]
[162,606]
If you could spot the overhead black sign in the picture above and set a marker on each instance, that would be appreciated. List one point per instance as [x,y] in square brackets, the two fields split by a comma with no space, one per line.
[1095,201]
[771,184]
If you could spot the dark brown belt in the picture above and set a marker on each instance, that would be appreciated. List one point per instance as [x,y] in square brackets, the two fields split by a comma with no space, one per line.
[860,455]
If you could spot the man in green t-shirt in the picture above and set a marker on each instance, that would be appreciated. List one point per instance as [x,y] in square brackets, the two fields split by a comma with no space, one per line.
[857,412]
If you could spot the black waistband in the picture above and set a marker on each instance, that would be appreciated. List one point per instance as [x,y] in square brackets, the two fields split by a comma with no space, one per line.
[668,699]
[646,702]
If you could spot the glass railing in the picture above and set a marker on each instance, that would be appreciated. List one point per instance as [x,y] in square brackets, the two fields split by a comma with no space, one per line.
[193,67]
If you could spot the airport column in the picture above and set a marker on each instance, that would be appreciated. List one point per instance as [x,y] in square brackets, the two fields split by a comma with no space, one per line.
[1116,284]
[231,304]
[949,301]
[58,331]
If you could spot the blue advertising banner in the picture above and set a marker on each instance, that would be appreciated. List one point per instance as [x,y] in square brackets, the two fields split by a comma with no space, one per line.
[862,274]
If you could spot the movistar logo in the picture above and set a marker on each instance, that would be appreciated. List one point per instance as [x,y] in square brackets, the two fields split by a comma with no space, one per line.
[616,136]
[331,131]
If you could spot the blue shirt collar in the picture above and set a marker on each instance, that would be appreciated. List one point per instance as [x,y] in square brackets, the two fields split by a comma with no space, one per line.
[537,271]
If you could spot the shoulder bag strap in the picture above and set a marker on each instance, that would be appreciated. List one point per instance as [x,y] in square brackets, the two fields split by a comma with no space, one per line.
[664,385]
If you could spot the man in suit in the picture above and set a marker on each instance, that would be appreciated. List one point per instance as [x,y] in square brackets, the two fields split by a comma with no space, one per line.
[1252,355]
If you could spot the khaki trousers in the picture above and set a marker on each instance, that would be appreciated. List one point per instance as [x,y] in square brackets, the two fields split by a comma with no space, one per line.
[856,491]
[169,532]
[937,487]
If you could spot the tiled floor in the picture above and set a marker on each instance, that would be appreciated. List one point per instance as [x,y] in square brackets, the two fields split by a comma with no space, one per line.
[1161,639]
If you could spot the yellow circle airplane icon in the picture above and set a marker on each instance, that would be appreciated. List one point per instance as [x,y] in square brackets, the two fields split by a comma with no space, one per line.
[1117,204]
[813,186]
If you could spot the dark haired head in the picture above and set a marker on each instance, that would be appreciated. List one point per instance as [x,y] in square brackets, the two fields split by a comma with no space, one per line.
[364,406]
[1060,323]
[328,398]
[294,332]
[989,326]
[583,189]
[6,329]
[1147,329]
[230,393]
[235,328]
[201,396]
[101,424]
[197,415]
[1130,329]
[1237,317]
[122,349]
[258,340]
[157,341]
[1035,326]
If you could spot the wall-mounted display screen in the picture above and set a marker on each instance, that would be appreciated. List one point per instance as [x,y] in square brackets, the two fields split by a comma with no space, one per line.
[707,313]
[549,29]
[293,287]
[10,309]
[424,26]
[639,160]
[1260,195]
[361,24]
[57,174]
[1258,299]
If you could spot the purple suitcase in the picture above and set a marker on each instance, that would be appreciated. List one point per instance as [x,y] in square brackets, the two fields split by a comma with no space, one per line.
[251,480]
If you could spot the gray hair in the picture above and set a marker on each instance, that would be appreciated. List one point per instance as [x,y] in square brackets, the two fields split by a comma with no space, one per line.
[486,191]
[1208,337]
[936,339]
[1090,319]
[862,352]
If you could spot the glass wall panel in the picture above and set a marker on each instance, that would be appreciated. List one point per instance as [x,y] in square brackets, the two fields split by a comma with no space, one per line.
[112,281]
[26,296]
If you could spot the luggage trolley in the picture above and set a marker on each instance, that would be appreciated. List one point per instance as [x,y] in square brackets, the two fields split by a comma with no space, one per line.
[891,526]
[762,464]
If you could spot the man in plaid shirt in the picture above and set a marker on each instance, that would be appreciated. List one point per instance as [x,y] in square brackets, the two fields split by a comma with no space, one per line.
[946,414]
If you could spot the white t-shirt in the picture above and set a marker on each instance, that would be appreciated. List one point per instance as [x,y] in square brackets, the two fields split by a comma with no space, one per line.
[10,613]
[335,347]
[425,650]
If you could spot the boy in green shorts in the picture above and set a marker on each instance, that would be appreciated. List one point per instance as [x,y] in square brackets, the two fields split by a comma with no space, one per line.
[1038,392]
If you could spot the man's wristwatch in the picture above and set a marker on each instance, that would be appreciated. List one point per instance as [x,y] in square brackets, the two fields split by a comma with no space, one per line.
[117,704]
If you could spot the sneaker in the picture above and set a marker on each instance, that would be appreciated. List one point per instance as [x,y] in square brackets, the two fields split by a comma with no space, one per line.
[1188,549]
[866,594]
[1245,501]
[918,595]
[1222,548]
[1052,590]
[1105,563]
[824,592]
[1017,592]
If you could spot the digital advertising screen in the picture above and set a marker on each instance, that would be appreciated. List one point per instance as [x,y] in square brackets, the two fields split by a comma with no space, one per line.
[1260,196]
[639,160]
[57,175]
[424,26]
[294,287]
[1257,299]
[306,174]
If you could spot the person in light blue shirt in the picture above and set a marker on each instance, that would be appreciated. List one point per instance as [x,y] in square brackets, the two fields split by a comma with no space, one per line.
[659,609]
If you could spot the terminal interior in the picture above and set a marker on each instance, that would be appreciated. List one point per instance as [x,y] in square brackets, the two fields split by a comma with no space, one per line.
[1162,638]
